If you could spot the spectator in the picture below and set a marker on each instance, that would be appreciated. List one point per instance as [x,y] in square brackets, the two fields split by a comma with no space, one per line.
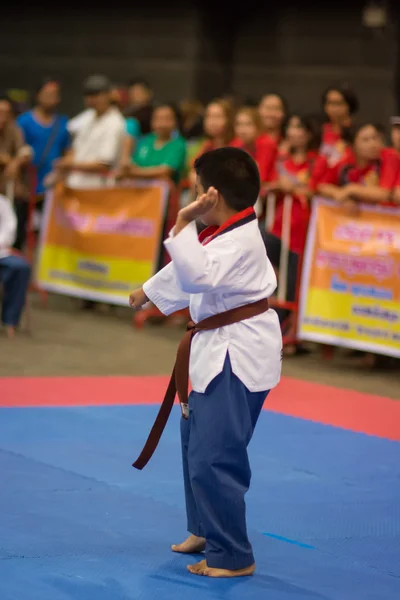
[14,155]
[160,154]
[131,137]
[81,119]
[97,146]
[340,104]
[192,112]
[248,137]
[367,175]
[140,104]
[273,112]
[298,174]
[14,270]
[119,97]
[45,131]
[218,125]
[395,133]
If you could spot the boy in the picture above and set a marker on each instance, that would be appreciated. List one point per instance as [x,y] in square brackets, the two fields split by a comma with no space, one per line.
[233,367]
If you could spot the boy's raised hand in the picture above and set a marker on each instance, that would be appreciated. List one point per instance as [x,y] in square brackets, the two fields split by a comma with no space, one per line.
[202,205]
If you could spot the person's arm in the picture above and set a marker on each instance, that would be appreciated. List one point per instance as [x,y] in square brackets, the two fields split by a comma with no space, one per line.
[8,224]
[328,190]
[163,291]
[22,155]
[128,147]
[68,164]
[161,172]
[368,194]
[200,268]
[327,186]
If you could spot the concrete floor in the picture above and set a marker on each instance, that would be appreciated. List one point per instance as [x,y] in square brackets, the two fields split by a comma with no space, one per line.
[68,341]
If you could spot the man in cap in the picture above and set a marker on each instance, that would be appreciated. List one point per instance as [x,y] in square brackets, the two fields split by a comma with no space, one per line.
[97,145]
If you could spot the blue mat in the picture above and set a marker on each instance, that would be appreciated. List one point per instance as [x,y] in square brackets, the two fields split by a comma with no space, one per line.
[78,523]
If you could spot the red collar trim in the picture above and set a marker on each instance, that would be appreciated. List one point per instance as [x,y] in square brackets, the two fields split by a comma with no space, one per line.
[208,234]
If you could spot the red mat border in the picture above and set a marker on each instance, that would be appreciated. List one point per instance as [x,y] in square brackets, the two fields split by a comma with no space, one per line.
[348,409]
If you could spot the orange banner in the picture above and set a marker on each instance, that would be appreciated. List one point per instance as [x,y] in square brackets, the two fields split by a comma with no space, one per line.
[100,244]
[350,292]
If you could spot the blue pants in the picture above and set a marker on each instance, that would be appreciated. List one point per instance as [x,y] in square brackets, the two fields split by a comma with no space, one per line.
[216,467]
[14,276]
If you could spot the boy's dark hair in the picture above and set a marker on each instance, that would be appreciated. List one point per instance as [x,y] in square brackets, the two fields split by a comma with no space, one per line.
[233,173]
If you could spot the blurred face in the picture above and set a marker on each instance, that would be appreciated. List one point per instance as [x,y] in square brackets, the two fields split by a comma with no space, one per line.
[367,145]
[163,122]
[49,97]
[245,128]
[395,135]
[90,101]
[5,113]
[99,102]
[296,135]
[215,121]
[336,107]
[139,94]
[272,112]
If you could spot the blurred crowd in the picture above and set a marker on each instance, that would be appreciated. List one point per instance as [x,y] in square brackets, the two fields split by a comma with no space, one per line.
[125,132]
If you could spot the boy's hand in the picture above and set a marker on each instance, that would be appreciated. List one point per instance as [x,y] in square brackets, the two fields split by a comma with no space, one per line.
[138,298]
[202,205]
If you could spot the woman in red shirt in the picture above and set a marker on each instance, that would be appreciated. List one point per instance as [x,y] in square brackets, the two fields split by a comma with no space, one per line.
[368,175]
[247,136]
[218,125]
[339,105]
[297,174]
[273,112]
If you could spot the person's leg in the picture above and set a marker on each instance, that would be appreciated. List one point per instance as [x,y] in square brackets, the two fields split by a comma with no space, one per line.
[21,212]
[14,275]
[223,421]
[196,541]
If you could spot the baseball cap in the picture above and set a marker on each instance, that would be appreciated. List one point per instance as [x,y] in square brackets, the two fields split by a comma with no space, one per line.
[395,120]
[95,84]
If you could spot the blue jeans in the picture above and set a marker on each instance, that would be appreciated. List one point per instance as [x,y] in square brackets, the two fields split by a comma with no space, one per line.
[216,467]
[14,275]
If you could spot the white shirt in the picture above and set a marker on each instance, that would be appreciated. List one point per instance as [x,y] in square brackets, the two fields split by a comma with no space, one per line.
[8,226]
[99,140]
[230,271]
[76,123]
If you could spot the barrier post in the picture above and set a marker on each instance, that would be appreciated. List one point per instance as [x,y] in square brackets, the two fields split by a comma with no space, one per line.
[280,300]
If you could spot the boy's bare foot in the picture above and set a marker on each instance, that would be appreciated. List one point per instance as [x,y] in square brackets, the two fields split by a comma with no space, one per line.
[201,568]
[192,545]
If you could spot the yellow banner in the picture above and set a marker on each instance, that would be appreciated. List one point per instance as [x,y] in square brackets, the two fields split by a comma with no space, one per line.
[350,290]
[100,244]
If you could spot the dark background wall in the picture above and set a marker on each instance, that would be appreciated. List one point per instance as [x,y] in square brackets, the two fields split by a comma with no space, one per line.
[195,50]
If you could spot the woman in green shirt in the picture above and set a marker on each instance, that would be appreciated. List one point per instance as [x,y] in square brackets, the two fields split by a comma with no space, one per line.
[162,153]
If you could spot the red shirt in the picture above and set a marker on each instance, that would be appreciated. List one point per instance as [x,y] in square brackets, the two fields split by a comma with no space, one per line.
[309,173]
[382,172]
[333,147]
[264,152]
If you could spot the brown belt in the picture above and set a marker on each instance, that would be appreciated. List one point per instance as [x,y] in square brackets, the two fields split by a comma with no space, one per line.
[179,381]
